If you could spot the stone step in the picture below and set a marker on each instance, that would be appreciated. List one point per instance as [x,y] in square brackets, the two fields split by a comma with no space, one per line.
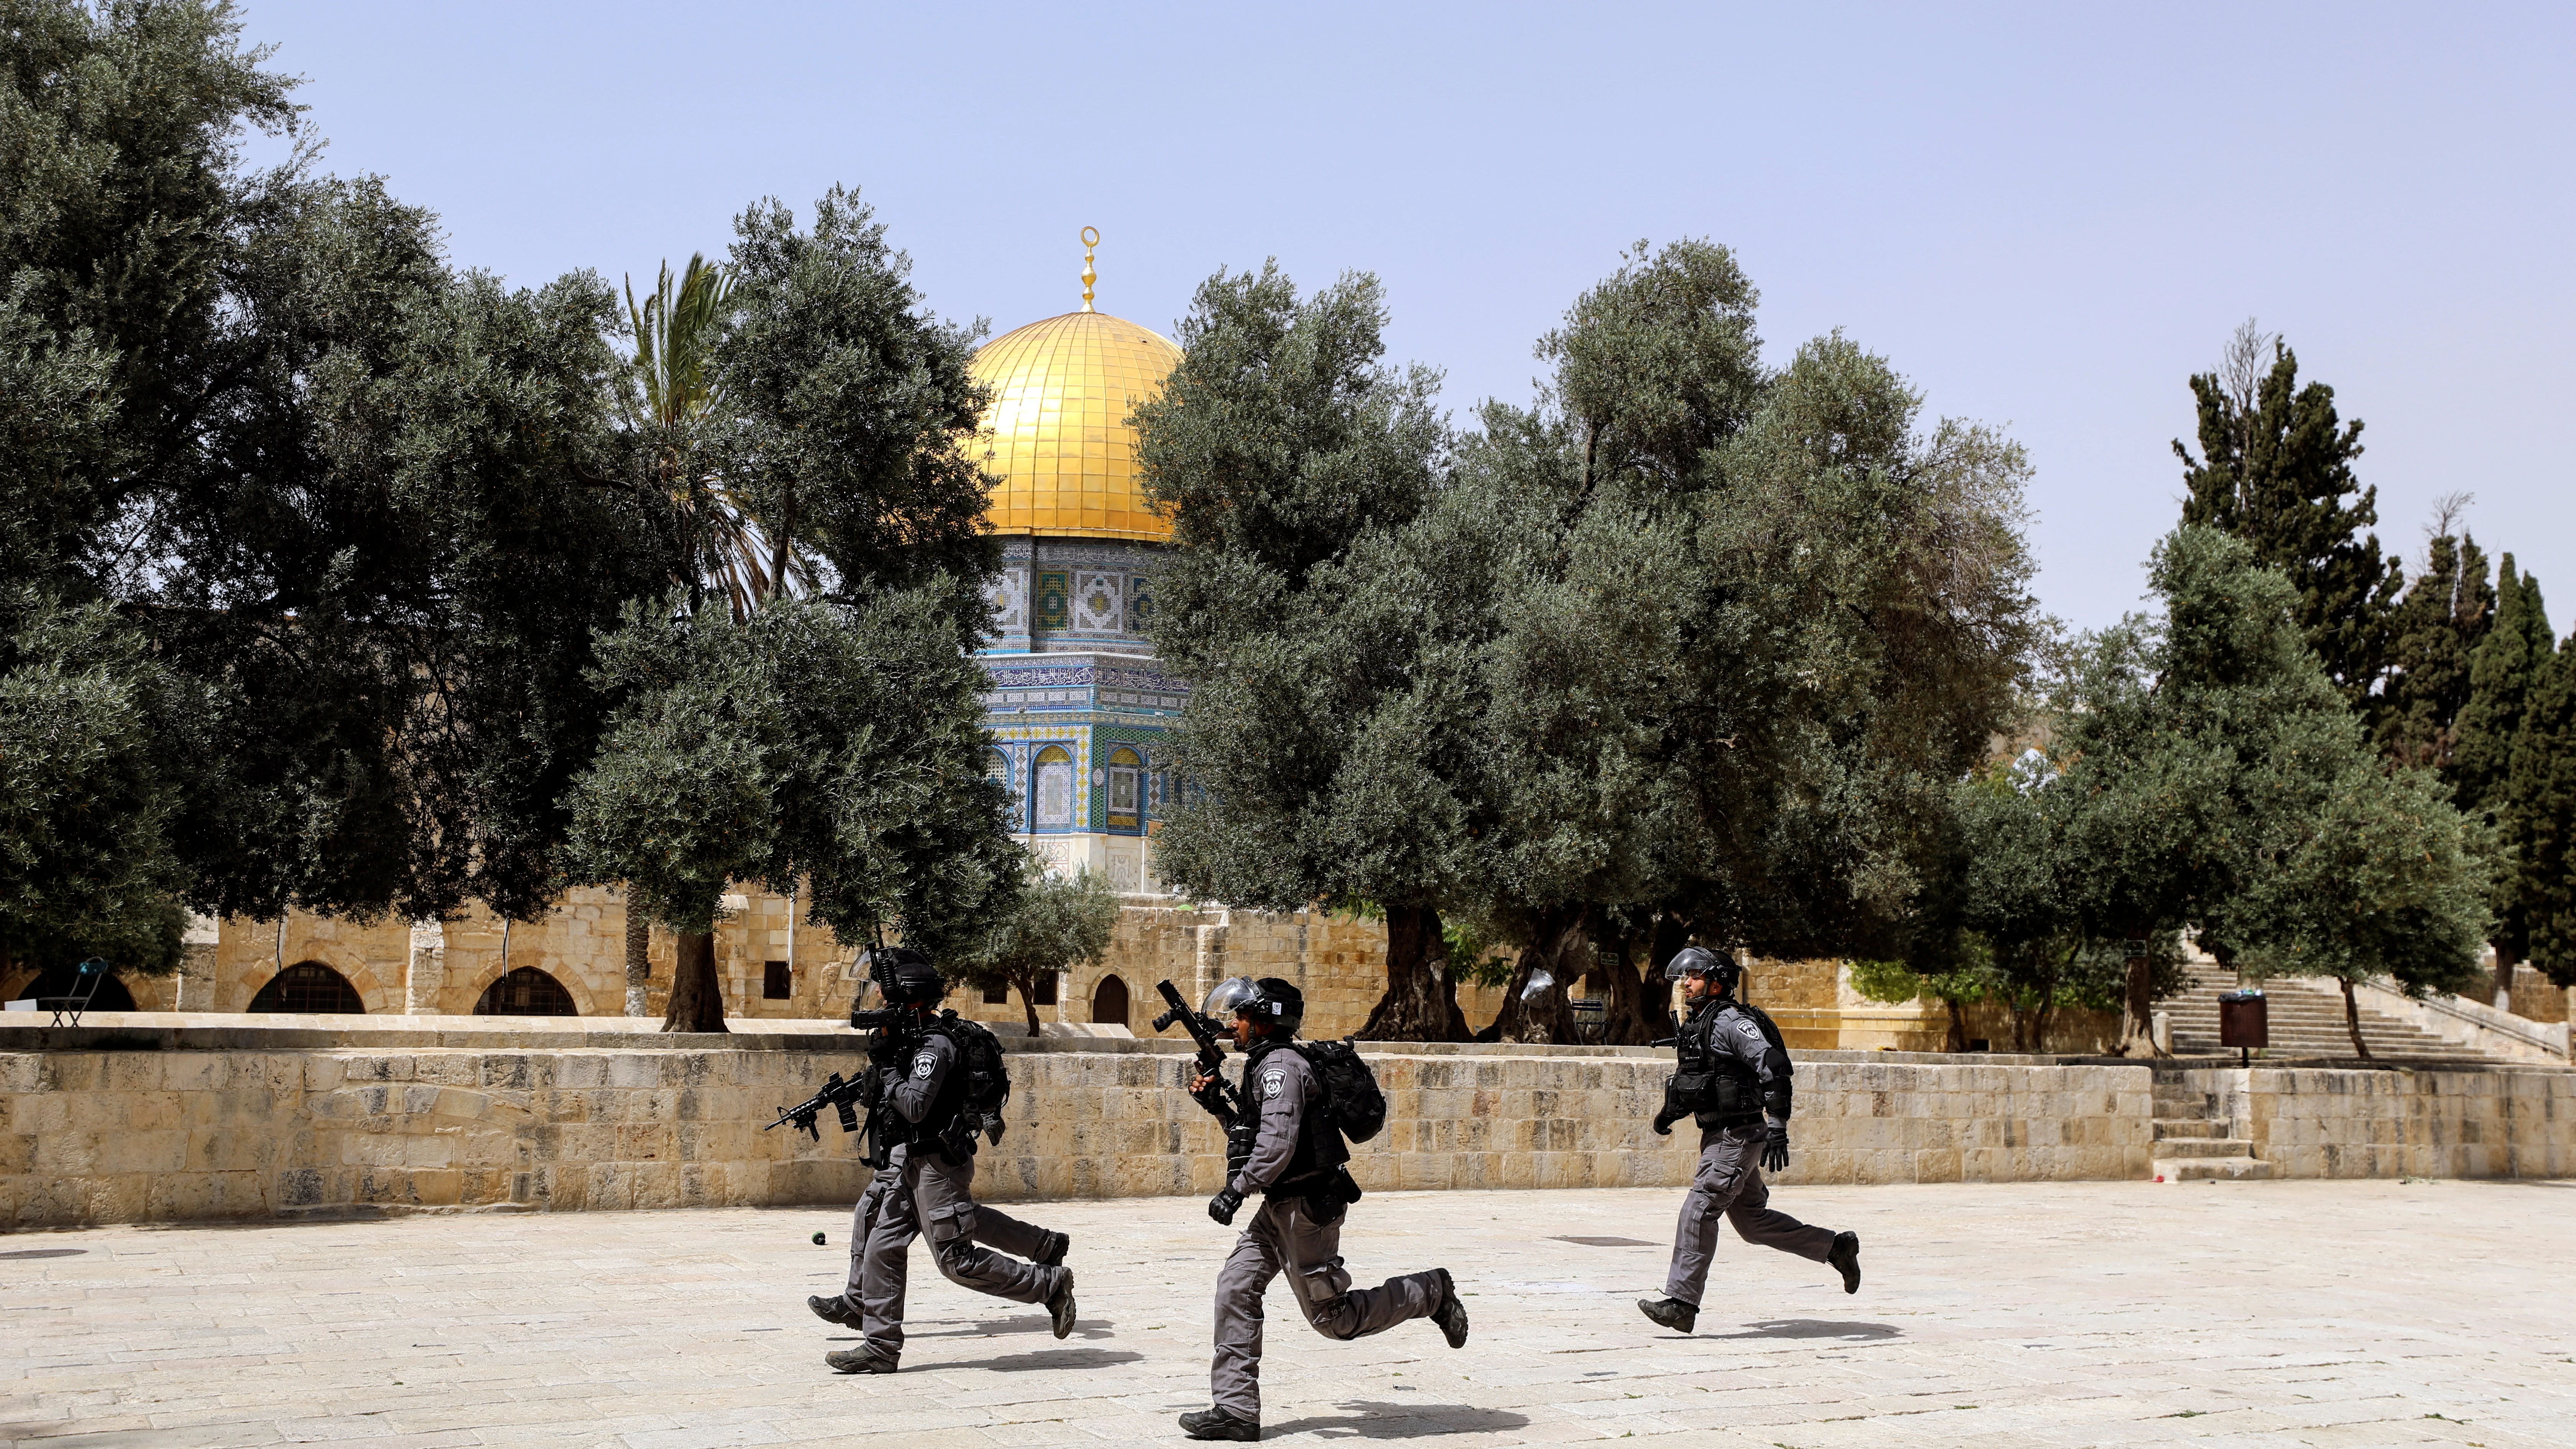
[2203,1147]
[2211,1169]
[2305,1023]
[2179,1128]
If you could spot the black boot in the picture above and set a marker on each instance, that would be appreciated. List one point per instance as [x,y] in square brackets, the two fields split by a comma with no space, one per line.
[867,1358]
[1846,1258]
[1060,1304]
[1051,1255]
[1670,1312]
[835,1309]
[1448,1312]
[1214,1423]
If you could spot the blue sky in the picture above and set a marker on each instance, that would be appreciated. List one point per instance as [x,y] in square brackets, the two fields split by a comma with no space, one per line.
[2047,217]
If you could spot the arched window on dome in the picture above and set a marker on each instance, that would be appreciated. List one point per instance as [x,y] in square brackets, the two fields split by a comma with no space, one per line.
[1054,778]
[997,768]
[1126,789]
[526,992]
[309,986]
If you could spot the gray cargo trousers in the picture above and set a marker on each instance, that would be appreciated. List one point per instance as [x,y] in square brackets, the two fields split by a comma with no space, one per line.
[1729,1186]
[1284,1238]
[925,1195]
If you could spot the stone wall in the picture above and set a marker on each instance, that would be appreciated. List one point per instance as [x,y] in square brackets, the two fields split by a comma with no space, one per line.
[2310,1122]
[443,968]
[236,1128]
[1818,1010]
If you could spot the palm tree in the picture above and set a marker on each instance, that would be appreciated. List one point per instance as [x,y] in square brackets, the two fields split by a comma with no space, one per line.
[672,395]
[672,392]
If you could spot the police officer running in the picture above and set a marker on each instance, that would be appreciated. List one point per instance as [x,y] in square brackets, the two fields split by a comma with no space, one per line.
[925,1186]
[1734,1082]
[1286,1149]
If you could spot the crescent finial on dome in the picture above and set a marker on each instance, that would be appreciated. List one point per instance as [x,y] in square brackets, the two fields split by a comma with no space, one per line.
[1090,239]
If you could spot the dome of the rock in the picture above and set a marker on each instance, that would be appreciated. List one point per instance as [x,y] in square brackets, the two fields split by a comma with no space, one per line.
[1058,436]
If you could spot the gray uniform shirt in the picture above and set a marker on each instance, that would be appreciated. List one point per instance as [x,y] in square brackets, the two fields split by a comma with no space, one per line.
[1277,1092]
[922,1080]
[1736,1036]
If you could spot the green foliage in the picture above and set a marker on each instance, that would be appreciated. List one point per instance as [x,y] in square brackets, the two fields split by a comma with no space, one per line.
[847,411]
[99,744]
[1054,924]
[1471,958]
[1893,982]
[2378,881]
[1278,444]
[840,746]
[2437,630]
[2504,670]
[1320,749]
[2539,889]
[1687,642]
[2276,470]
[352,493]
[2214,778]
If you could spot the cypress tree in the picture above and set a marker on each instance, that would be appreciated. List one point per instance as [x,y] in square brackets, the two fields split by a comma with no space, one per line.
[2502,671]
[2438,627]
[2540,892]
[2276,470]
[2505,677]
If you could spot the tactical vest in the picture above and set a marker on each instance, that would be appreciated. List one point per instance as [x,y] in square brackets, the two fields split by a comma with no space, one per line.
[1721,1090]
[1320,1151]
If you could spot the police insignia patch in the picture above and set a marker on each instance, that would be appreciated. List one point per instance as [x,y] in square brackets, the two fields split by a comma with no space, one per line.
[924,1064]
[1272,1080]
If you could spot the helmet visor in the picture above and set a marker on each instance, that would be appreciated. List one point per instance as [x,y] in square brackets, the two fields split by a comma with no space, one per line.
[1231,995]
[1690,961]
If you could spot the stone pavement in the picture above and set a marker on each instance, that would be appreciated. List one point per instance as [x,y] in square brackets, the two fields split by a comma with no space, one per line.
[2320,1313]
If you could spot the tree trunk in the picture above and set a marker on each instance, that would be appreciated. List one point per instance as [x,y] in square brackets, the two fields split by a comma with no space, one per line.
[1629,1010]
[2352,1021]
[1028,990]
[639,959]
[2506,960]
[1555,945]
[1421,1002]
[2137,1010]
[697,998]
[1958,1024]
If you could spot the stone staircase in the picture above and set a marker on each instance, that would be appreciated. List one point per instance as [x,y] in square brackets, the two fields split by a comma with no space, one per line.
[2305,1022]
[2192,1144]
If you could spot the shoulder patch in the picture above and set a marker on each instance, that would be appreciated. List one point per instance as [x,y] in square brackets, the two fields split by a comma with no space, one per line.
[1272,1080]
[924,1064]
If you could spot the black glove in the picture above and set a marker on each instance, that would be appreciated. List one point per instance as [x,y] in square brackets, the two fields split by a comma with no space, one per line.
[1775,1147]
[1665,1119]
[1222,1206]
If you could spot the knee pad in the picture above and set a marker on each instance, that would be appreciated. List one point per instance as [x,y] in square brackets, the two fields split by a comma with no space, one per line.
[1338,1319]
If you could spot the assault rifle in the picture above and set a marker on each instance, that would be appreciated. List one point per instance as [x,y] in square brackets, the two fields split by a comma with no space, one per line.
[844,1098]
[1207,1033]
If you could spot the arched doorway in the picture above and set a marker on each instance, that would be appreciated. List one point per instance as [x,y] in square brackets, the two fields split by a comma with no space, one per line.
[526,992]
[63,981]
[309,986]
[1109,1002]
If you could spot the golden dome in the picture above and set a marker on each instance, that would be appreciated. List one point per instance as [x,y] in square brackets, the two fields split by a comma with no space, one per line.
[1058,434]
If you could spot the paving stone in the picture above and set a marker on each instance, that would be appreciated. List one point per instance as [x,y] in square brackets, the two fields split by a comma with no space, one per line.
[2282,1313]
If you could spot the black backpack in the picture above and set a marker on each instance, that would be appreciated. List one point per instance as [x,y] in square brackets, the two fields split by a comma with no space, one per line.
[1770,1032]
[986,1088]
[1351,1092]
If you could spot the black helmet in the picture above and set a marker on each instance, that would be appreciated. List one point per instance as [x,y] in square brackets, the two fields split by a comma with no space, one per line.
[1271,1001]
[1700,961]
[906,977]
